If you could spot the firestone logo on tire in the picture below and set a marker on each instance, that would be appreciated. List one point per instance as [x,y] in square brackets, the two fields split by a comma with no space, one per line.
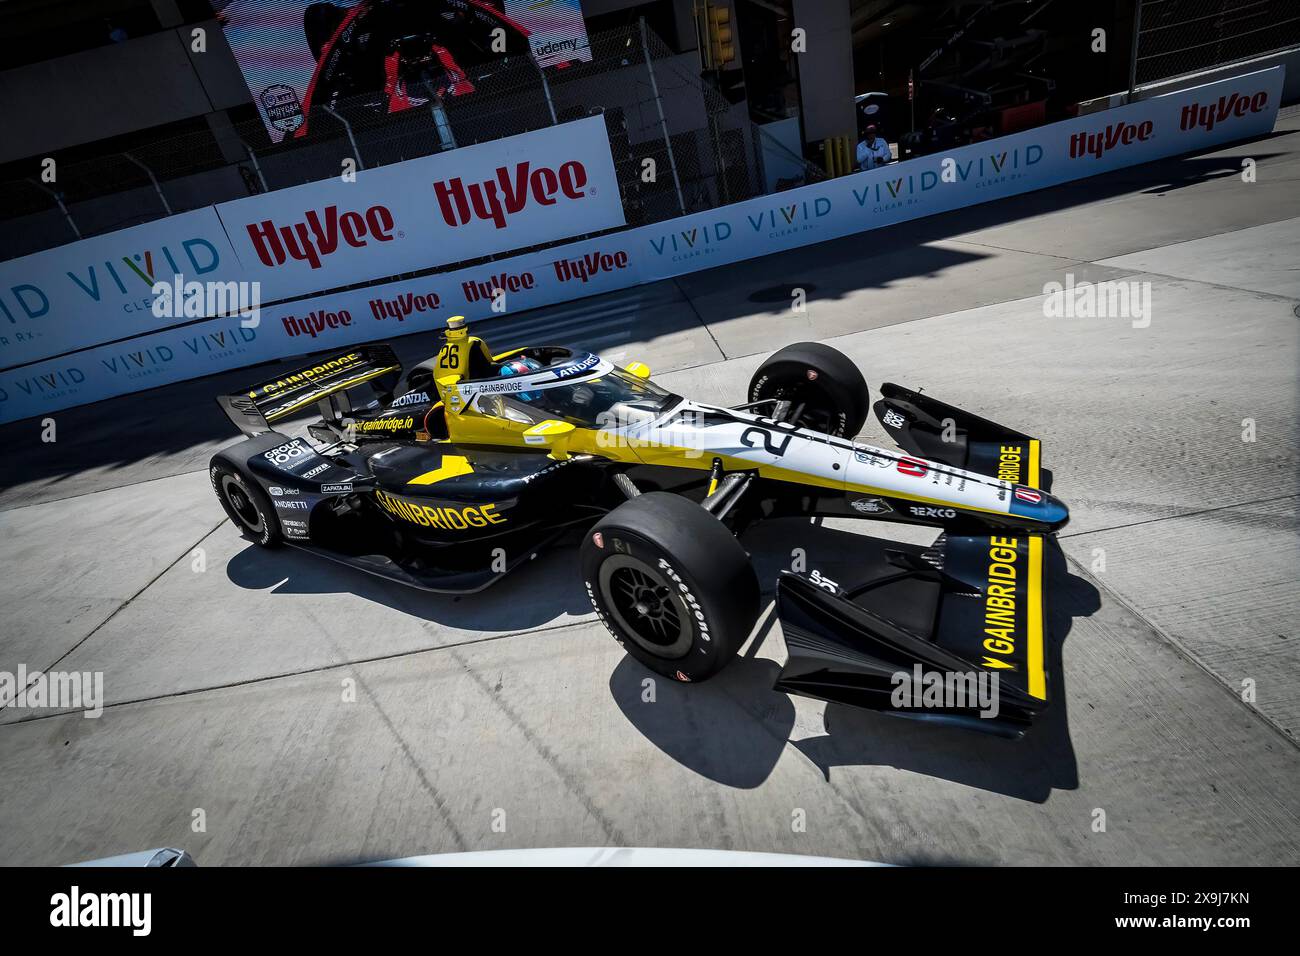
[508,192]
[319,234]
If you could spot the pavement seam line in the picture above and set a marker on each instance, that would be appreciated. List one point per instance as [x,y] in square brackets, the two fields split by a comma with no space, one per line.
[430,788]
[94,630]
[1177,645]
[300,673]
[696,312]
[1185,514]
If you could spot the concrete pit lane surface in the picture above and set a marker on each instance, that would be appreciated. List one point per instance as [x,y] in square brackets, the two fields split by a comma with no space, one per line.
[305,713]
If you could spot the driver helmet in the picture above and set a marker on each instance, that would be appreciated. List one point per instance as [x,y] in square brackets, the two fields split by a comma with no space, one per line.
[521,365]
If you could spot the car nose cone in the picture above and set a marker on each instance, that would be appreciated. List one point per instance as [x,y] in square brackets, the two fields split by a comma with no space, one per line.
[1039,507]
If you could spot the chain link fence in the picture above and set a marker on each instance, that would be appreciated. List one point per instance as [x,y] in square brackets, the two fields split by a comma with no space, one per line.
[678,145]
[1178,37]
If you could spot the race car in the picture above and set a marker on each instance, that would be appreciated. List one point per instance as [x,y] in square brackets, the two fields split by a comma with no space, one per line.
[451,474]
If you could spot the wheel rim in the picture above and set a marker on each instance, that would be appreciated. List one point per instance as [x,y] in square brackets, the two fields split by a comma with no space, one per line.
[242,504]
[645,606]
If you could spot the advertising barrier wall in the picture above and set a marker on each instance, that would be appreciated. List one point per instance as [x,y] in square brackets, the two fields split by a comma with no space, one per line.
[475,201]
[99,289]
[1194,119]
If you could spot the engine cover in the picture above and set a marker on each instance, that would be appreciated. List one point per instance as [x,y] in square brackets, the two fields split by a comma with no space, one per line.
[446,494]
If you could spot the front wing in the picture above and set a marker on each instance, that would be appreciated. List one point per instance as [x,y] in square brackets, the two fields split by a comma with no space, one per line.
[954,633]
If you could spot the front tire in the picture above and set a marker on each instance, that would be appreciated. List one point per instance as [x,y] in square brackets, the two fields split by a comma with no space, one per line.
[246,505]
[825,388]
[672,585]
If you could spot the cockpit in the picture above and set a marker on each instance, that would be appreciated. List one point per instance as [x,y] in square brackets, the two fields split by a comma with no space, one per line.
[577,387]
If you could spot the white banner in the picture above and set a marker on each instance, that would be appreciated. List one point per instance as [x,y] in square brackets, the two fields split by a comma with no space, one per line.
[475,201]
[1168,125]
[98,290]
[1185,121]
[470,202]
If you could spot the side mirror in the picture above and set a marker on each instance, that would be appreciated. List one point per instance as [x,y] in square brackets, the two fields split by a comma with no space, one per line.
[550,434]
[639,369]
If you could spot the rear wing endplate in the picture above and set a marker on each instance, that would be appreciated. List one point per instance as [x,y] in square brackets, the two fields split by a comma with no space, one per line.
[255,409]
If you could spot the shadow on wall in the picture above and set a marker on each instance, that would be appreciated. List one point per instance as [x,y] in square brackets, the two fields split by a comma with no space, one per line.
[879,258]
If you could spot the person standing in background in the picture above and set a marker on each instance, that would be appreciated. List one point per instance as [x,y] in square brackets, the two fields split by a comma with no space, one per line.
[873,151]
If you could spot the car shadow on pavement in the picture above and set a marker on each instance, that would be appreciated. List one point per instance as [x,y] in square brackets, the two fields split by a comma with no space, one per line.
[529,597]
[734,728]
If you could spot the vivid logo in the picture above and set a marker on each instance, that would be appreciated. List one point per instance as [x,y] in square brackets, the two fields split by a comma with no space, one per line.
[318,236]
[1097,145]
[507,194]
[692,240]
[199,255]
[783,216]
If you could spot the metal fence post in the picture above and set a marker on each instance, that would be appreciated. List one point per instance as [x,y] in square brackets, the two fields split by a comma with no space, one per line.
[1133,56]
[257,168]
[446,139]
[58,198]
[356,152]
[546,88]
[167,208]
[663,123]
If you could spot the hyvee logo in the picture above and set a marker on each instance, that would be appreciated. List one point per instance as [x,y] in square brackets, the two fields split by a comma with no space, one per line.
[507,194]
[475,290]
[1194,114]
[400,306]
[592,264]
[314,323]
[1096,145]
[74,908]
[317,237]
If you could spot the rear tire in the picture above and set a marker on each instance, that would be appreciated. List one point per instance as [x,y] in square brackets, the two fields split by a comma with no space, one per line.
[672,585]
[247,506]
[829,387]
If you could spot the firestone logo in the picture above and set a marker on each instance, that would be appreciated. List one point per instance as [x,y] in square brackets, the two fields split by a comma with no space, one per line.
[312,240]
[1096,145]
[507,194]
[1194,114]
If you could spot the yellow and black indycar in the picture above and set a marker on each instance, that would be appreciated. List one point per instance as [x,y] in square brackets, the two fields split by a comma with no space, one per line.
[448,475]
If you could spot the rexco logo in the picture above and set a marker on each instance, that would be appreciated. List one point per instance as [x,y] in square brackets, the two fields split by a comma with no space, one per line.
[1194,114]
[507,194]
[1096,145]
[319,236]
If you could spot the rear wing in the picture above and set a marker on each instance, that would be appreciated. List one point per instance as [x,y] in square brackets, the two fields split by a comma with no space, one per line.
[255,409]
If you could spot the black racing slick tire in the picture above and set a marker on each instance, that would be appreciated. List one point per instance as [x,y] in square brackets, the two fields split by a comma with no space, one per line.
[672,585]
[823,386]
[247,506]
